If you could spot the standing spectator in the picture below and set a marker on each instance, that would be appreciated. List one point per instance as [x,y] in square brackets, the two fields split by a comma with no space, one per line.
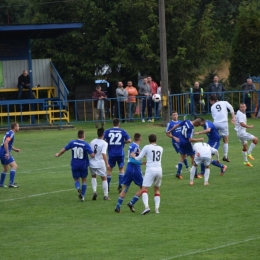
[159,92]
[197,95]
[216,88]
[145,90]
[247,88]
[24,82]
[131,101]
[153,85]
[121,95]
[99,110]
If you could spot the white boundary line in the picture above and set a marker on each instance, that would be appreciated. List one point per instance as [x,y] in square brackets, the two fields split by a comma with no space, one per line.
[213,248]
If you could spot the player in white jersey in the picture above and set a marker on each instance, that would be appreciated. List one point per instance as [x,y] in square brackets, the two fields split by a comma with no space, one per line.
[153,172]
[99,164]
[219,111]
[243,136]
[203,154]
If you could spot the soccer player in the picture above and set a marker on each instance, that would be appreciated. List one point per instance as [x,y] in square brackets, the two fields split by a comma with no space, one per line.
[203,153]
[133,173]
[79,162]
[243,136]
[99,164]
[213,141]
[116,139]
[6,159]
[175,134]
[153,172]
[186,139]
[219,111]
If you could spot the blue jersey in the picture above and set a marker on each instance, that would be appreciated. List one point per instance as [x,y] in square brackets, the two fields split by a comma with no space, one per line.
[116,138]
[80,150]
[8,135]
[213,135]
[176,132]
[187,131]
[133,148]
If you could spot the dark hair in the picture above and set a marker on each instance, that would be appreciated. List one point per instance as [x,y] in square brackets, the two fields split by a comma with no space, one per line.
[152,138]
[202,120]
[13,125]
[173,112]
[80,134]
[213,98]
[137,136]
[116,122]
[98,86]
[100,132]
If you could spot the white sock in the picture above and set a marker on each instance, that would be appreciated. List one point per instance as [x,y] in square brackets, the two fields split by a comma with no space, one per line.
[192,173]
[94,184]
[105,187]
[251,147]
[145,200]
[225,149]
[157,200]
[206,175]
[244,156]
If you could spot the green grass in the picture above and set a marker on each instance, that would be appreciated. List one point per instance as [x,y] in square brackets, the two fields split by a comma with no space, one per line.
[44,219]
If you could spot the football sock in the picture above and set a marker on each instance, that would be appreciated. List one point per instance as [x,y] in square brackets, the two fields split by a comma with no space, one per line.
[83,189]
[12,175]
[157,200]
[109,177]
[94,184]
[2,180]
[192,172]
[244,154]
[206,175]
[251,147]
[225,149]
[145,199]
[179,168]
[186,163]
[120,178]
[119,202]
[202,168]
[134,199]
[214,162]
[77,185]
[105,187]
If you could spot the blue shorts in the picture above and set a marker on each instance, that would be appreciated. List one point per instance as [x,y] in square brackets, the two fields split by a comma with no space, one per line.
[6,161]
[79,172]
[214,144]
[120,160]
[176,146]
[133,173]
[187,148]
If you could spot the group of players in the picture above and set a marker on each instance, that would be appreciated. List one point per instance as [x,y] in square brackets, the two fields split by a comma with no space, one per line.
[114,139]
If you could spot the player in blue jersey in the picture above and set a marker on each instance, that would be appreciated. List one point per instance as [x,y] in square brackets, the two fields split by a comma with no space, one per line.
[79,162]
[214,141]
[186,139]
[133,173]
[116,138]
[175,134]
[6,158]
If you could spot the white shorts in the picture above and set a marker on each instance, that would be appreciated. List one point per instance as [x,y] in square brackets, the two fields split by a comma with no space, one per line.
[222,128]
[152,177]
[244,137]
[205,160]
[98,171]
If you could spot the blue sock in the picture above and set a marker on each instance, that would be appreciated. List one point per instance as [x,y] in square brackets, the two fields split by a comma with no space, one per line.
[12,175]
[134,199]
[119,202]
[83,189]
[202,168]
[2,180]
[120,178]
[77,185]
[217,164]
[186,163]
[179,168]
[109,177]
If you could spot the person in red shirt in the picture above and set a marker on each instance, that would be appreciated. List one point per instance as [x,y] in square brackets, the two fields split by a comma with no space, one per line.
[131,101]
[153,85]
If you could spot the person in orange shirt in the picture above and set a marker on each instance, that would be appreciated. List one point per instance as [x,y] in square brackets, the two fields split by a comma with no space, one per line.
[131,100]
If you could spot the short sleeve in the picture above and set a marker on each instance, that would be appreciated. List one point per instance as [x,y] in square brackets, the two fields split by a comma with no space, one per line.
[104,148]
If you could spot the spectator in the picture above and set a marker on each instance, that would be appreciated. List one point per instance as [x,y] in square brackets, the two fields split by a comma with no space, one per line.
[99,110]
[153,85]
[121,95]
[24,82]
[145,90]
[197,95]
[131,101]
[216,88]
[248,87]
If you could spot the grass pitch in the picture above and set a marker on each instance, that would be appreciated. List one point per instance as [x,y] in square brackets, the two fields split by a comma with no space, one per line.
[44,219]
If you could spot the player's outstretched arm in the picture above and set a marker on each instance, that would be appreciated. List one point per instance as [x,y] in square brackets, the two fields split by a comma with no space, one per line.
[203,131]
[140,156]
[128,141]
[176,126]
[16,149]
[193,140]
[62,151]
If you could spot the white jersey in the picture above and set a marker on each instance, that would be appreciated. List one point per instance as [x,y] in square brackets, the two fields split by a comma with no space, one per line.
[219,111]
[99,147]
[205,150]
[240,118]
[153,153]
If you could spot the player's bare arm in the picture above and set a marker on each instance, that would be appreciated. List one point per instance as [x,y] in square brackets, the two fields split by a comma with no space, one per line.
[16,149]
[176,126]
[128,141]
[105,160]
[193,140]
[203,131]
[6,147]
[62,151]
[245,125]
